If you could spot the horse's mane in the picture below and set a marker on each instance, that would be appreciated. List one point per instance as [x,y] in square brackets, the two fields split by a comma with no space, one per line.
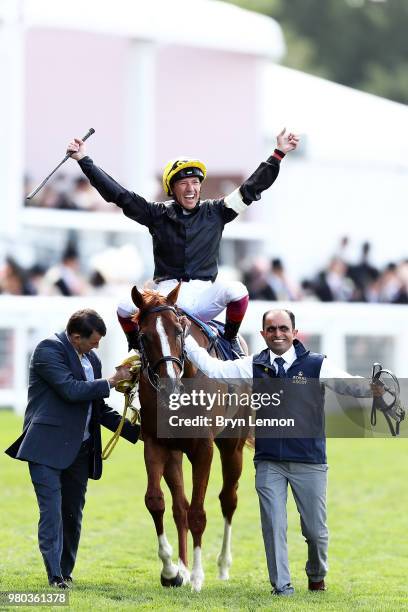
[151,298]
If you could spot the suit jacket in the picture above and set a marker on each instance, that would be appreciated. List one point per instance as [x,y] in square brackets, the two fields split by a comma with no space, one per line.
[58,400]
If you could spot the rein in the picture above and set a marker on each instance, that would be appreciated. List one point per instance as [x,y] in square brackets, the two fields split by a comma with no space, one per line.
[129,389]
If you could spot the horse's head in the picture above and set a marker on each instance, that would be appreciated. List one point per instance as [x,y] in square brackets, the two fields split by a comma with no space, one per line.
[161,337]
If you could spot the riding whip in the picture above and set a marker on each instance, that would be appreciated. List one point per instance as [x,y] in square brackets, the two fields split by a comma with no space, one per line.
[68,155]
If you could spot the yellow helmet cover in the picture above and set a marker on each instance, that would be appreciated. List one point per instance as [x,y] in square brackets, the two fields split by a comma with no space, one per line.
[191,167]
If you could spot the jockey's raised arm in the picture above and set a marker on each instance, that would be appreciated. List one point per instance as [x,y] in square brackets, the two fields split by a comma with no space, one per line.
[186,231]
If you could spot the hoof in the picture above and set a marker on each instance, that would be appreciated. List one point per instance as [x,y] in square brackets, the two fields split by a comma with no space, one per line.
[224,563]
[197,581]
[223,575]
[196,586]
[171,582]
[185,574]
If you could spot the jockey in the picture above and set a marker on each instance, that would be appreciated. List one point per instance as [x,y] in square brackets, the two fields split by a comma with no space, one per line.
[186,233]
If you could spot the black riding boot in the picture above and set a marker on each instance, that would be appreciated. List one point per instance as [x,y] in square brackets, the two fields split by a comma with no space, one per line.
[231,334]
[133,339]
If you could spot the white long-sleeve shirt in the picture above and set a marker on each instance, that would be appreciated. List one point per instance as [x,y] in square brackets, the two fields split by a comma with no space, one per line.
[330,375]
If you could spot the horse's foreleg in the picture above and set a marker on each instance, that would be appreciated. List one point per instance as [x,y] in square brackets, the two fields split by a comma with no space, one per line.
[224,559]
[170,575]
[155,459]
[231,461]
[173,475]
[201,464]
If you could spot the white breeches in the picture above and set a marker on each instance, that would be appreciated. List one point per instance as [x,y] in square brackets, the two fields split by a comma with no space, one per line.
[202,298]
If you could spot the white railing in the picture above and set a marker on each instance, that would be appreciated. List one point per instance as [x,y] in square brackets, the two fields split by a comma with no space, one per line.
[29,319]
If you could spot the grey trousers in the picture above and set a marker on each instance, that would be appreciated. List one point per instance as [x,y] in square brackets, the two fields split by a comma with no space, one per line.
[308,482]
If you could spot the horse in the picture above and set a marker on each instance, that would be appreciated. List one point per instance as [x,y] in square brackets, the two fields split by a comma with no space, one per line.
[161,343]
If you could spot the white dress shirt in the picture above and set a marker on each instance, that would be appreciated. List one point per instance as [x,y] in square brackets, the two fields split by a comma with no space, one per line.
[89,375]
[330,374]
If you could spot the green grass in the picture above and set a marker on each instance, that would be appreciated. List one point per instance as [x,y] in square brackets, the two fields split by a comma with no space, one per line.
[118,568]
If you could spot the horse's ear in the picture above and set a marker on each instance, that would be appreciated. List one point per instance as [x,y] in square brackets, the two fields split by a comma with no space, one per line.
[173,295]
[137,297]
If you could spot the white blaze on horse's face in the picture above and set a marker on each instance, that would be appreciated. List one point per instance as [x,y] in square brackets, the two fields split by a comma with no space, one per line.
[165,346]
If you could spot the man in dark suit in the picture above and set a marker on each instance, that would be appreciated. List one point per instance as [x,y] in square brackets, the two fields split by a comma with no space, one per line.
[61,437]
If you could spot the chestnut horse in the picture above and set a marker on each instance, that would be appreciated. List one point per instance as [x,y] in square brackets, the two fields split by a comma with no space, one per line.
[162,352]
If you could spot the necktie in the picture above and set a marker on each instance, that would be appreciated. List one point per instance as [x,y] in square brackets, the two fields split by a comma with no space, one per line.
[281,370]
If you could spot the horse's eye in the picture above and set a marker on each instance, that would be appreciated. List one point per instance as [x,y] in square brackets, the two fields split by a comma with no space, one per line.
[179,331]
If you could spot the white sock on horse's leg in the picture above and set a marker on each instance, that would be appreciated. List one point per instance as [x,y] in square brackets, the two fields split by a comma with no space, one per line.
[197,573]
[224,559]
[170,570]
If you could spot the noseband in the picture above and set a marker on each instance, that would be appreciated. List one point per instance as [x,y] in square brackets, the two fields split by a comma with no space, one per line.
[152,369]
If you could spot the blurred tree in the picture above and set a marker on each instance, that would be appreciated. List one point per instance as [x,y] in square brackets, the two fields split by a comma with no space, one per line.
[359,43]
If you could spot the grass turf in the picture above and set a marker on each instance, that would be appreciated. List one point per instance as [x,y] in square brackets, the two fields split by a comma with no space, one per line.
[118,567]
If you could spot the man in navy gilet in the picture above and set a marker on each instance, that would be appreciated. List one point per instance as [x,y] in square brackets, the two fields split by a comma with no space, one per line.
[300,462]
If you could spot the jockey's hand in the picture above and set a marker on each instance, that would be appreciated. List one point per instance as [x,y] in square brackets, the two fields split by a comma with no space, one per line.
[378,389]
[185,324]
[76,148]
[287,142]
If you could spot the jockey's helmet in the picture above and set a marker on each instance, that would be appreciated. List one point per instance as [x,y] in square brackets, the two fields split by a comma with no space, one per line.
[177,169]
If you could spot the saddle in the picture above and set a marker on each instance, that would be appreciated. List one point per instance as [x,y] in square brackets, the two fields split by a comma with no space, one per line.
[214,332]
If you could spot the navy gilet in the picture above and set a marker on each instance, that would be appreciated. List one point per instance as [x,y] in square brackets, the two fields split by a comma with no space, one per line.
[309,401]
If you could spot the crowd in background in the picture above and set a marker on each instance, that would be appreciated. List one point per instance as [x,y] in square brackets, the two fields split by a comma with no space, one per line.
[337,281]
[67,193]
[112,272]
[117,269]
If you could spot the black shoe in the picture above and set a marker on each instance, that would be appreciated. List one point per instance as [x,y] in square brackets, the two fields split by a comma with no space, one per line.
[58,582]
[236,346]
[68,580]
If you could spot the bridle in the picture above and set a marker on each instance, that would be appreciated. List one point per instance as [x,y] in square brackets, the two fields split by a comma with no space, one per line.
[393,411]
[151,370]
